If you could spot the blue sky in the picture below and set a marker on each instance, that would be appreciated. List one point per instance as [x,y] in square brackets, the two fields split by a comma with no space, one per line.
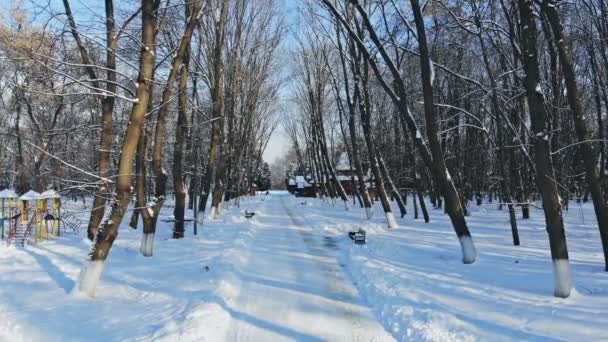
[279,143]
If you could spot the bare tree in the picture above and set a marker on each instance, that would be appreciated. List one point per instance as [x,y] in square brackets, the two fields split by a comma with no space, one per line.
[102,244]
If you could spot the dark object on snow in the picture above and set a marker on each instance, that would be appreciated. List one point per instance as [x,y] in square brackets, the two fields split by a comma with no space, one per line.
[206,268]
[249,214]
[358,237]
[49,217]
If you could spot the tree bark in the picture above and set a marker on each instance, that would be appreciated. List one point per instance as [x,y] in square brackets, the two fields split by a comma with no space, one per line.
[214,177]
[440,172]
[364,109]
[91,273]
[591,172]
[544,167]
[107,108]
[150,217]
[142,210]
[505,184]
[181,132]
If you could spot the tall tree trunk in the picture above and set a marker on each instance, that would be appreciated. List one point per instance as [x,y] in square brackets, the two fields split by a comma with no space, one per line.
[505,184]
[22,182]
[217,131]
[440,172]
[364,109]
[329,165]
[394,189]
[150,217]
[180,133]
[135,215]
[141,177]
[544,167]
[591,172]
[352,125]
[598,84]
[107,108]
[418,191]
[102,244]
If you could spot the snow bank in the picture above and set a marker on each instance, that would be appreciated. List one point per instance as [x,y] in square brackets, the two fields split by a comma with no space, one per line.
[418,287]
[174,296]
[412,278]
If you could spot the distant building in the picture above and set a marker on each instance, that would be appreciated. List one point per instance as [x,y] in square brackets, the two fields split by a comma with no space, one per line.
[346,173]
[300,182]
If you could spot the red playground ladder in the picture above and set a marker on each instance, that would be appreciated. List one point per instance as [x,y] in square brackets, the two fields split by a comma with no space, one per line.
[19,233]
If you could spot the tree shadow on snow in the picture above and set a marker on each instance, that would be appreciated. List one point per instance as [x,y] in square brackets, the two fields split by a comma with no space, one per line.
[53,271]
[260,323]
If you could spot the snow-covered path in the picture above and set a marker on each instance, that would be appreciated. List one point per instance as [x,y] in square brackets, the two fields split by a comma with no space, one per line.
[291,273]
[292,286]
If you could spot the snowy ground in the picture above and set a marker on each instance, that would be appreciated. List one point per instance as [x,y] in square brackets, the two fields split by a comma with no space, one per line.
[290,273]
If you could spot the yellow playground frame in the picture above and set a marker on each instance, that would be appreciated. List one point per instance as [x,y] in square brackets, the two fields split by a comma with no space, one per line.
[53,212]
[33,209]
[7,197]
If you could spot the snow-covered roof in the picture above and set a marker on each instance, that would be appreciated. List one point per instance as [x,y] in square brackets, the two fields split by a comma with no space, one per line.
[343,163]
[30,196]
[6,193]
[49,194]
[301,182]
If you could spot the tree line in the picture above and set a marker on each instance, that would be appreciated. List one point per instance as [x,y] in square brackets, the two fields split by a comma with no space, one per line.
[131,101]
[460,100]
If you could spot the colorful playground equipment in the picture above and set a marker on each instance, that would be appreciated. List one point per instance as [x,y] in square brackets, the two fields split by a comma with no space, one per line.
[33,217]
[8,199]
[26,219]
[51,211]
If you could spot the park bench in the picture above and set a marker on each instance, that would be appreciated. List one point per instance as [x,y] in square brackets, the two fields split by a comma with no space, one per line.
[358,236]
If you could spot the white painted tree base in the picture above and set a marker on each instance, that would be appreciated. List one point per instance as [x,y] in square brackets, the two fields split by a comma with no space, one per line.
[89,277]
[214,213]
[469,253]
[562,276]
[368,213]
[392,222]
[147,244]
